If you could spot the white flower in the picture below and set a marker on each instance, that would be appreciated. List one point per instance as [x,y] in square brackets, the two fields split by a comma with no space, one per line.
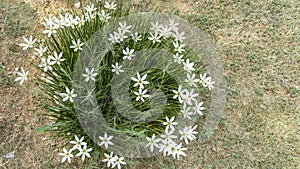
[172,150]
[155,27]
[141,95]
[190,96]
[176,150]
[136,37]
[84,152]
[77,5]
[123,27]
[198,108]
[173,25]
[203,79]
[57,58]
[104,16]
[192,133]
[154,38]
[178,93]
[28,43]
[189,67]
[128,53]
[168,135]
[47,22]
[170,123]
[81,20]
[46,64]
[178,48]
[179,36]
[40,51]
[118,162]
[105,140]
[206,81]
[67,155]
[184,134]
[152,142]
[110,159]
[77,45]
[69,95]
[113,38]
[89,16]
[210,83]
[73,21]
[23,76]
[185,111]
[191,80]
[78,142]
[90,9]
[89,74]
[179,151]
[117,68]
[59,23]
[165,146]
[165,32]
[121,35]
[178,58]
[111,6]
[140,81]
[51,29]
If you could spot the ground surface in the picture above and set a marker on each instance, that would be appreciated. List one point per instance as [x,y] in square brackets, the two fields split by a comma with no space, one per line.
[260,49]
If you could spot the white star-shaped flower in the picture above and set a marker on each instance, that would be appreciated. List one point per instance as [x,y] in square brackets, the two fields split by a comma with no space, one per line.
[117,68]
[186,112]
[140,81]
[154,38]
[46,64]
[178,58]
[170,123]
[198,108]
[69,95]
[28,43]
[189,67]
[191,79]
[168,135]
[210,83]
[67,155]
[105,140]
[110,159]
[152,142]
[76,45]
[178,93]
[84,152]
[90,9]
[141,95]
[78,142]
[40,51]
[136,37]
[179,36]
[190,96]
[124,28]
[90,75]
[110,6]
[118,162]
[104,17]
[57,59]
[128,53]
[23,76]
[178,47]
[155,27]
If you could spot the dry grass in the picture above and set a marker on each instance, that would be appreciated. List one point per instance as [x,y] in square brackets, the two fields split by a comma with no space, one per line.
[259,46]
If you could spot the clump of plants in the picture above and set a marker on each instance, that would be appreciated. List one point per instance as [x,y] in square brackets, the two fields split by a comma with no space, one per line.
[65,38]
